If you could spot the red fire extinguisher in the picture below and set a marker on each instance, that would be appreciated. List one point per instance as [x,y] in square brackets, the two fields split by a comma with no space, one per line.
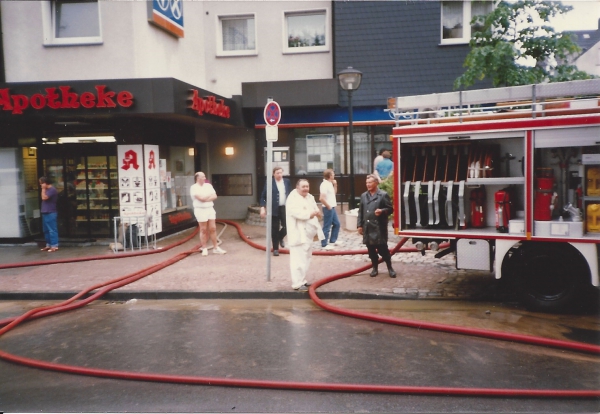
[477,207]
[502,201]
[544,194]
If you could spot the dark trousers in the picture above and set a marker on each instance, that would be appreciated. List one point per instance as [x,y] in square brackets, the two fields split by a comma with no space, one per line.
[383,250]
[278,228]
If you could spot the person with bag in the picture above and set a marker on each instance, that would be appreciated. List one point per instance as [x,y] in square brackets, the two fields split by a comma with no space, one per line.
[372,224]
[302,216]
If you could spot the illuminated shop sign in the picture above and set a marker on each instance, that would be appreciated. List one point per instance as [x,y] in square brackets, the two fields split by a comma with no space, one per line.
[168,15]
[208,105]
[64,98]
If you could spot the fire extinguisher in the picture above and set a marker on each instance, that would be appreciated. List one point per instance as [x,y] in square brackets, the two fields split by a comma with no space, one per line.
[502,202]
[544,195]
[477,207]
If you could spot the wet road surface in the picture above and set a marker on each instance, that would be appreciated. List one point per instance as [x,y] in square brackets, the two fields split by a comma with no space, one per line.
[291,340]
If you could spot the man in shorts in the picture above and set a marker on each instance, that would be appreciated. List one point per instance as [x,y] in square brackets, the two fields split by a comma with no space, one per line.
[203,195]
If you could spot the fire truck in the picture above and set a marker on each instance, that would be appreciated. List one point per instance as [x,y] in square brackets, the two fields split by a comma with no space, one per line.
[510,179]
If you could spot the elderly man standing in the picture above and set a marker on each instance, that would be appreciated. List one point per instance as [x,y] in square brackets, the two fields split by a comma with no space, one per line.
[372,224]
[203,196]
[281,189]
[303,225]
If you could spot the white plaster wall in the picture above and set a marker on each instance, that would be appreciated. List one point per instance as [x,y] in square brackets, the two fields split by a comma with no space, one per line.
[131,48]
[224,75]
[590,60]
[242,162]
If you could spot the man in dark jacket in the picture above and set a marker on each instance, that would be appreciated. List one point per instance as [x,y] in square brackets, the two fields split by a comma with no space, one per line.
[372,224]
[281,189]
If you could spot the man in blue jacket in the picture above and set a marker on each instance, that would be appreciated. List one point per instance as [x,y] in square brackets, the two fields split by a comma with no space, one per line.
[281,189]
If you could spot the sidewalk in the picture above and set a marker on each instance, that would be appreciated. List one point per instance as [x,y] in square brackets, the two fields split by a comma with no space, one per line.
[241,273]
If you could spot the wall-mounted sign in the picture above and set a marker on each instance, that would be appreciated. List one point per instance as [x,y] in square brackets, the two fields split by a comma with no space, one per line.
[168,15]
[64,98]
[208,105]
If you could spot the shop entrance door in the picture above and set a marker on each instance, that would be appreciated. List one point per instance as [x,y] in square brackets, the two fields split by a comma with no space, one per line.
[87,186]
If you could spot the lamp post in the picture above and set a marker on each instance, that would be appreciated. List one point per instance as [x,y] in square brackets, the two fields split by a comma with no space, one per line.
[350,81]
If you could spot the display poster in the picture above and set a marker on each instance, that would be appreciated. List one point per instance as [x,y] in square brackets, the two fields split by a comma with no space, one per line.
[131,180]
[153,198]
[280,158]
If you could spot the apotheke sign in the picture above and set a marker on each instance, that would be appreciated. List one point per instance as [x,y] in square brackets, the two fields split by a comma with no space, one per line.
[64,98]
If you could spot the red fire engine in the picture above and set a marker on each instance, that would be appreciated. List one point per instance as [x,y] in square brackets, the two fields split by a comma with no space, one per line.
[511,178]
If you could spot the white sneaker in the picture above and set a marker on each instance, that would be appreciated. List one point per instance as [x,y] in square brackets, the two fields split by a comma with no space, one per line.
[337,243]
[218,250]
[329,247]
[204,252]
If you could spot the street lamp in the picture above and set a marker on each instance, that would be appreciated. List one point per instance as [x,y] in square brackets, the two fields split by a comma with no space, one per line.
[350,81]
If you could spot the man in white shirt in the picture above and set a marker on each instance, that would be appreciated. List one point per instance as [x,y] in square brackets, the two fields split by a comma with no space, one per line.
[303,225]
[203,195]
[331,221]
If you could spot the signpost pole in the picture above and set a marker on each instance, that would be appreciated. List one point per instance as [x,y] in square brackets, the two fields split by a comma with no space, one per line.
[272,115]
[269,205]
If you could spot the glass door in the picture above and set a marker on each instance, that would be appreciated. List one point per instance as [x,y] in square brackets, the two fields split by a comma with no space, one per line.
[97,194]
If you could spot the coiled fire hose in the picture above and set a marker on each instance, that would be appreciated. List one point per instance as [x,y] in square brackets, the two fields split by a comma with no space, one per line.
[78,301]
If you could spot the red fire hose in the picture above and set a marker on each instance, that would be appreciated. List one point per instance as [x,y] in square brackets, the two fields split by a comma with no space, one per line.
[70,304]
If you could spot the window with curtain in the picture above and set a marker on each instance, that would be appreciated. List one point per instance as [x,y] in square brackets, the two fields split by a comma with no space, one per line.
[456,19]
[238,35]
[306,31]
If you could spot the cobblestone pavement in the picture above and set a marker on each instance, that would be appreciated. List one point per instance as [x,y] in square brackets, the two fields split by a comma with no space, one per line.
[242,271]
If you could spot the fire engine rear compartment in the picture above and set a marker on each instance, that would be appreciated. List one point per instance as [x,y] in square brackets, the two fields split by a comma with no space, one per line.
[516,196]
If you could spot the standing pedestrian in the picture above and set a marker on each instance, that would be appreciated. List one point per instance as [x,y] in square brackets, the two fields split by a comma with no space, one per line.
[281,190]
[303,226]
[331,222]
[49,197]
[203,196]
[372,224]
[385,166]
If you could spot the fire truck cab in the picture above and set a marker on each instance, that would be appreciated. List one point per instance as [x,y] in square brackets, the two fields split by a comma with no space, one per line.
[511,178]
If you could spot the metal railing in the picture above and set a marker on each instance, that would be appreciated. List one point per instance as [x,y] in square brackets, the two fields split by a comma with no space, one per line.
[131,232]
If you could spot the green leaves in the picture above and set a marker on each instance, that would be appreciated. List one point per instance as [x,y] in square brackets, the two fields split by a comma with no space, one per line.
[517,46]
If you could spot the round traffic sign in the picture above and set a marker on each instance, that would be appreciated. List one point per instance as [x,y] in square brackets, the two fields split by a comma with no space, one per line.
[272,113]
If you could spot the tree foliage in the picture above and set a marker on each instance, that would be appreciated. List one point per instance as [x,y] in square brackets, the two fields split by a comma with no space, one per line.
[518,46]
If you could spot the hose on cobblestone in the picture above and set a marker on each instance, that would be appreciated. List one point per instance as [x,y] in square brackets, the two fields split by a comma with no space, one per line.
[288,385]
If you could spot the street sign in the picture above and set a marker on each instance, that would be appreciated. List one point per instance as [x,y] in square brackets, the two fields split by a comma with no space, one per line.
[272,133]
[272,113]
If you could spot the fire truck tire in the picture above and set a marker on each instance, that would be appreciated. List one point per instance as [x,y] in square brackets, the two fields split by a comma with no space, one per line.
[549,277]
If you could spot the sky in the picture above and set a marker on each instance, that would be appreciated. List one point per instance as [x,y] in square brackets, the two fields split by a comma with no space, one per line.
[584,16]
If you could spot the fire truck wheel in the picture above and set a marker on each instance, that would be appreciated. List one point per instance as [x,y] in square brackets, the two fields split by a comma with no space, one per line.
[548,277]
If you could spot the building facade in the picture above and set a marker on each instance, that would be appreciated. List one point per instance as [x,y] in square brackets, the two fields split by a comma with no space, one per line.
[82,81]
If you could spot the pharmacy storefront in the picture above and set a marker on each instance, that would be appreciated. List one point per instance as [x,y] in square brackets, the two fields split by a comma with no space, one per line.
[111,147]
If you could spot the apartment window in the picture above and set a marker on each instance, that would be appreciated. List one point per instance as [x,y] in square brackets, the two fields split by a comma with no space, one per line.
[456,19]
[236,36]
[306,31]
[71,22]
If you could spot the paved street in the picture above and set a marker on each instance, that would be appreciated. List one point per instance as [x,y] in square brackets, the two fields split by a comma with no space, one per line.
[283,340]
[263,334]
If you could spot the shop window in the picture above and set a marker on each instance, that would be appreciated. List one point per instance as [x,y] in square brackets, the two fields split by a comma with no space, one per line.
[456,18]
[236,36]
[71,22]
[176,167]
[306,31]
